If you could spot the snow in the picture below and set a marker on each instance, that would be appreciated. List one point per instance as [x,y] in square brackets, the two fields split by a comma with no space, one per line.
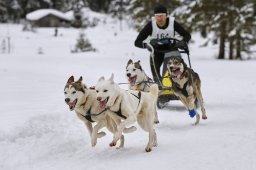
[37,130]
[40,13]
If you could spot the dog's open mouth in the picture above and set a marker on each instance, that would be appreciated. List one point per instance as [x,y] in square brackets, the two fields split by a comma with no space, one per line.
[72,105]
[175,72]
[103,104]
[132,80]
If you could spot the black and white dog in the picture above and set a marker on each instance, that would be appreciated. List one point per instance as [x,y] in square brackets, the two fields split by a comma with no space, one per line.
[138,79]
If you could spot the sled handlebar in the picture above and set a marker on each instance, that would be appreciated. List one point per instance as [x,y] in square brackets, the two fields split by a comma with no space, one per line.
[166,45]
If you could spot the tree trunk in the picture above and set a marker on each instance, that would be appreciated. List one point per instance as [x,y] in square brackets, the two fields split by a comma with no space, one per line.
[231,48]
[222,40]
[238,45]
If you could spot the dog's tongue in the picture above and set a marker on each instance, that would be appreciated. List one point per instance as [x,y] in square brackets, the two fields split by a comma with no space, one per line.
[72,105]
[103,104]
[132,80]
[177,72]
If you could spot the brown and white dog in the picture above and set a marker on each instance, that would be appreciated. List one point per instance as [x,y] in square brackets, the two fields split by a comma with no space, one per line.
[83,101]
[186,85]
[129,105]
[138,80]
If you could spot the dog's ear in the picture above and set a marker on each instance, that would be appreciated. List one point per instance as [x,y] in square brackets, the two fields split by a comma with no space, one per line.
[137,65]
[70,80]
[111,79]
[80,80]
[129,62]
[101,79]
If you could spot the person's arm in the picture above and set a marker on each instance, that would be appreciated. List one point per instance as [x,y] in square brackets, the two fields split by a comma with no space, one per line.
[179,29]
[144,33]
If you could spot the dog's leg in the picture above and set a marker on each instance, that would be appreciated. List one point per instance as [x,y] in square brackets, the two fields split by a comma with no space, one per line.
[155,139]
[156,121]
[151,141]
[86,122]
[121,142]
[201,101]
[100,124]
[127,122]
[197,119]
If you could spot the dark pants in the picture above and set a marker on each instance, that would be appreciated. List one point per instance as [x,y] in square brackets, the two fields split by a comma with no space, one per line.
[158,61]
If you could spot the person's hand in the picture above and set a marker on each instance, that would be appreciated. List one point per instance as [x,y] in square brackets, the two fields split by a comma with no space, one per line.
[181,44]
[149,48]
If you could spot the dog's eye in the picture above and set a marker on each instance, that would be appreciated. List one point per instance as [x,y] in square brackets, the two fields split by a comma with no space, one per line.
[65,92]
[105,91]
[97,91]
[73,92]
[134,69]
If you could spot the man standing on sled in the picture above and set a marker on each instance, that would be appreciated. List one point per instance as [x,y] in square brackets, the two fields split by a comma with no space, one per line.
[161,26]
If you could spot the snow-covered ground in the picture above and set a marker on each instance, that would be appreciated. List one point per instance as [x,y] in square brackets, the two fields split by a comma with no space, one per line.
[37,130]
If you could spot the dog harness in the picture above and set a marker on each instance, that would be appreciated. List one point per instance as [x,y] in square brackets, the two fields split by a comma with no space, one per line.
[147,83]
[89,115]
[138,97]
[119,112]
[183,90]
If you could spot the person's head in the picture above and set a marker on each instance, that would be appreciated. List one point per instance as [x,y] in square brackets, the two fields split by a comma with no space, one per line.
[160,13]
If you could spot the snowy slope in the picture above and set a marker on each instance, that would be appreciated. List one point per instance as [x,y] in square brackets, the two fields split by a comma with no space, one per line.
[37,130]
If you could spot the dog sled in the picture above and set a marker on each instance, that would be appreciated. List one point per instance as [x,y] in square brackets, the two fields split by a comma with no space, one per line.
[171,48]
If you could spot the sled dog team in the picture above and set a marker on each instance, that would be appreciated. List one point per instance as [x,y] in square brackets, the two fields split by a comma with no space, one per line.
[108,105]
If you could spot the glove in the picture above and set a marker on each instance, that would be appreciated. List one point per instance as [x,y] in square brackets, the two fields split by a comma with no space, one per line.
[181,44]
[163,42]
[192,113]
[145,45]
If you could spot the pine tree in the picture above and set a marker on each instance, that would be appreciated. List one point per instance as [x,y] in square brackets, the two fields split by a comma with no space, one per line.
[83,44]
[231,21]
[3,11]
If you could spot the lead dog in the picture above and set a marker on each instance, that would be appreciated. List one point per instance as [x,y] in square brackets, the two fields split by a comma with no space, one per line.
[186,86]
[83,100]
[138,80]
[130,106]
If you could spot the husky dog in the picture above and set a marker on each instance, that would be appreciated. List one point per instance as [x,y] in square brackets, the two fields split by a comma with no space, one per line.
[130,106]
[186,86]
[138,80]
[83,100]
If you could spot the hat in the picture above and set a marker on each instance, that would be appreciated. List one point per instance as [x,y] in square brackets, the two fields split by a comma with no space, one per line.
[160,9]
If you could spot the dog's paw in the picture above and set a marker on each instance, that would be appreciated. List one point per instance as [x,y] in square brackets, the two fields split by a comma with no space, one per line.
[93,142]
[112,144]
[148,149]
[156,121]
[197,119]
[204,117]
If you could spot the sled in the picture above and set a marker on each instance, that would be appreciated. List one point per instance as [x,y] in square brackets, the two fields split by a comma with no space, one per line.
[169,47]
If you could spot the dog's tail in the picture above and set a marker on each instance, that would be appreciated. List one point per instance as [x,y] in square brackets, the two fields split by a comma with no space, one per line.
[154,91]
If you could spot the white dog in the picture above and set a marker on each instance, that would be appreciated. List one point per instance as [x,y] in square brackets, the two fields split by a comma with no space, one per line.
[138,80]
[83,100]
[130,106]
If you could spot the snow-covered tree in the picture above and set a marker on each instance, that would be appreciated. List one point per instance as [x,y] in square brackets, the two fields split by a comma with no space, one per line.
[3,11]
[231,22]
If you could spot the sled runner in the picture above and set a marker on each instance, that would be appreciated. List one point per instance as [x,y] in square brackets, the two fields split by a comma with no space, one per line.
[171,48]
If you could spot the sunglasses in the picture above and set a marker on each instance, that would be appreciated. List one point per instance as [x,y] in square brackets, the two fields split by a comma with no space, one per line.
[160,14]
